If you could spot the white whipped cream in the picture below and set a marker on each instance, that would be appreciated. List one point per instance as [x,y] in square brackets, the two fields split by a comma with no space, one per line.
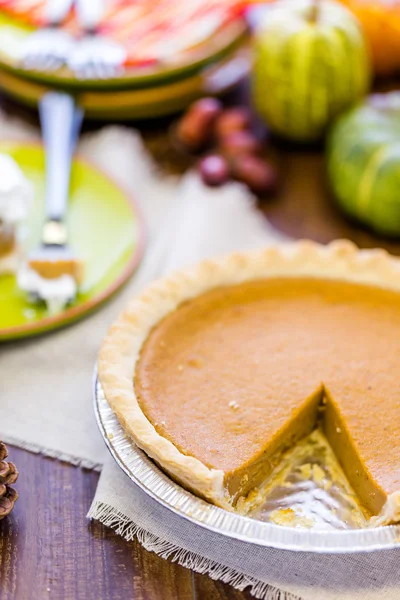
[16,192]
[56,292]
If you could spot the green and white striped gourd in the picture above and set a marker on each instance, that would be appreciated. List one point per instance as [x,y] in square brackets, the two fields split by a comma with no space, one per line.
[310,63]
[363,158]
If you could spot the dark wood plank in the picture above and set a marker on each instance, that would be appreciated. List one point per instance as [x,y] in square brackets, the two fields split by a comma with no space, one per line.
[48,549]
[208,589]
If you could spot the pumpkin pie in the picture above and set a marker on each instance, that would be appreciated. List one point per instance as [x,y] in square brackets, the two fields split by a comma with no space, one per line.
[217,371]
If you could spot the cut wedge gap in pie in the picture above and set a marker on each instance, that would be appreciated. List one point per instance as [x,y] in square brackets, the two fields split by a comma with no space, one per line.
[218,371]
[308,489]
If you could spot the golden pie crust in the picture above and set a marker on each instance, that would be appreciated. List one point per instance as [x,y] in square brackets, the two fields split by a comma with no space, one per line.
[143,360]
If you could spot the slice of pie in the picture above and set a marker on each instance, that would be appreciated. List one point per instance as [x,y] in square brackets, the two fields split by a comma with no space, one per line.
[217,371]
[15,197]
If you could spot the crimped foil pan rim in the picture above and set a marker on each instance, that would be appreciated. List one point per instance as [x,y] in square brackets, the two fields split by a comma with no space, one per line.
[154,482]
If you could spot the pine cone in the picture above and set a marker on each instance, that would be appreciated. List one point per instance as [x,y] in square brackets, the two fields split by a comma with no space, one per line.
[8,476]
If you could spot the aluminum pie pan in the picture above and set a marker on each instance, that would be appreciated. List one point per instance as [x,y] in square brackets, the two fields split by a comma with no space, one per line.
[158,485]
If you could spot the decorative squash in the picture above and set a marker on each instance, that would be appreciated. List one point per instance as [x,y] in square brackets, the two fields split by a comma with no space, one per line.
[364,163]
[380,20]
[311,62]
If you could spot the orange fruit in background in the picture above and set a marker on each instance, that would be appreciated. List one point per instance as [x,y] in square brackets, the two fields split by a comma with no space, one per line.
[380,20]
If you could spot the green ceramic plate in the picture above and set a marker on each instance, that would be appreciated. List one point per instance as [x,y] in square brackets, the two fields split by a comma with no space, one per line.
[105,231]
[13,32]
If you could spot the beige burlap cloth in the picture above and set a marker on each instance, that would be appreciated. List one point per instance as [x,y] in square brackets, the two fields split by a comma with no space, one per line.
[46,401]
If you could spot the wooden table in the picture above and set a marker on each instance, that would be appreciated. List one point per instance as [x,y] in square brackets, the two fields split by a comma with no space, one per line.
[48,549]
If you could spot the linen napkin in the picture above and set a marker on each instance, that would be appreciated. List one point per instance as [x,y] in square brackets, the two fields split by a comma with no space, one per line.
[49,409]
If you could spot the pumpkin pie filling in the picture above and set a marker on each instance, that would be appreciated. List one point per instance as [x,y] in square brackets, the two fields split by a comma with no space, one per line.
[239,374]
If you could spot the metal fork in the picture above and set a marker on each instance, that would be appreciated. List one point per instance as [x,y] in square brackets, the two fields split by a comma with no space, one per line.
[53,259]
[94,56]
[47,49]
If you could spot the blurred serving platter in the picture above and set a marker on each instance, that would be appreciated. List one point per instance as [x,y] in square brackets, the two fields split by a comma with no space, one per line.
[168,40]
[174,54]
[138,103]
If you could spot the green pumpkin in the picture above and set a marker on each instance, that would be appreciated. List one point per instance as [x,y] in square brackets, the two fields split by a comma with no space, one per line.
[363,158]
[310,63]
